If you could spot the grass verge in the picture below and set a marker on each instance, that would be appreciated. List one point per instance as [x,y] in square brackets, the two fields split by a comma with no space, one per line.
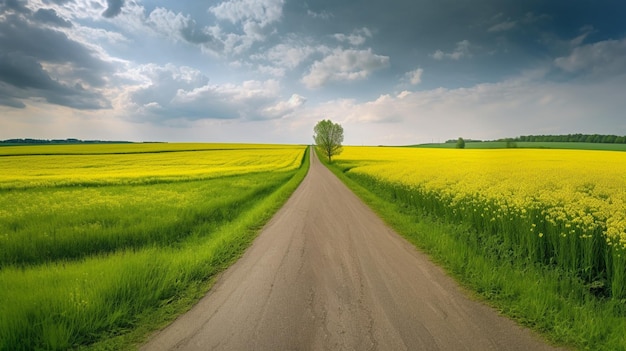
[550,301]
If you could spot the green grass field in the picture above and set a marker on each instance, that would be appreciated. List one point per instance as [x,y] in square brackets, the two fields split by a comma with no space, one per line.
[98,265]
[528,145]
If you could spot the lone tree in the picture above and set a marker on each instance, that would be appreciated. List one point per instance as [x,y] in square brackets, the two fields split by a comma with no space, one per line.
[460,143]
[328,138]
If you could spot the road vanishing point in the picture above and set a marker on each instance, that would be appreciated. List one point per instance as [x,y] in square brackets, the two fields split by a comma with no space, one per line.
[326,273]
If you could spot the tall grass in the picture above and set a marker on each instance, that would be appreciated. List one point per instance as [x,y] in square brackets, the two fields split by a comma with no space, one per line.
[563,208]
[48,224]
[553,241]
[97,300]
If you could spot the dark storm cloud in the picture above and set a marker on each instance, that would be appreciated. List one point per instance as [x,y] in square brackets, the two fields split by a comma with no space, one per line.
[7,97]
[28,46]
[24,72]
[114,8]
[30,79]
[50,16]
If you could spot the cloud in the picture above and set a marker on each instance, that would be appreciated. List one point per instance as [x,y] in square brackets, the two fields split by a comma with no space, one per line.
[502,26]
[63,71]
[600,59]
[585,31]
[49,16]
[356,38]
[192,34]
[344,65]
[323,15]
[528,18]
[461,50]
[89,34]
[262,12]
[10,101]
[181,27]
[114,8]
[24,72]
[415,76]
[290,54]
[287,56]
[14,6]
[521,105]
[170,93]
[531,17]
[168,22]
[254,17]
[285,108]
[24,78]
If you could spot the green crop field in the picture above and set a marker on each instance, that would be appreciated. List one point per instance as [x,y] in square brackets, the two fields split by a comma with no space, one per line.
[529,145]
[99,244]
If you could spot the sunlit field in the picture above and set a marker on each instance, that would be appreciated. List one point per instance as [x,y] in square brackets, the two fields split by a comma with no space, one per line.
[95,238]
[556,207]
[539,234]
[71,165]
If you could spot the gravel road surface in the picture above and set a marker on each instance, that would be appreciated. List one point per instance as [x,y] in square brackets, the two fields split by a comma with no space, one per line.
[327,274]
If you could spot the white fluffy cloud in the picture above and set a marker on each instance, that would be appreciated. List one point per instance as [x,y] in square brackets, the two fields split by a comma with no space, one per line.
[290,54]
[250,22]
[170,93]
[167,22]
[284,108]
[415,76]
[179,27]
[356,38]
[262,12]
[287,56]
[344,65]
[254,17]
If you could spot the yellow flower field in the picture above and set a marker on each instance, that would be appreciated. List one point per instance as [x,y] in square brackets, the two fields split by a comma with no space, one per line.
[563,205]
[138,163]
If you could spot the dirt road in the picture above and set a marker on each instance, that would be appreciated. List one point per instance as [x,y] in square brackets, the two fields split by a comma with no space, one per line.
[327,274]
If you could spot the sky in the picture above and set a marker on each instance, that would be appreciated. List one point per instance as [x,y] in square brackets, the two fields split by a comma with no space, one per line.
[395,72]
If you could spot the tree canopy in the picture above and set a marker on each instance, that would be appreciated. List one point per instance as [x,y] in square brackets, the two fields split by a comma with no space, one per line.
[460,143]
[328,138]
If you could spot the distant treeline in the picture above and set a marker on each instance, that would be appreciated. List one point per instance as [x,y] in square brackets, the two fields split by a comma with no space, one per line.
[571,138]
[568,138]
[454,141]
[61,141]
